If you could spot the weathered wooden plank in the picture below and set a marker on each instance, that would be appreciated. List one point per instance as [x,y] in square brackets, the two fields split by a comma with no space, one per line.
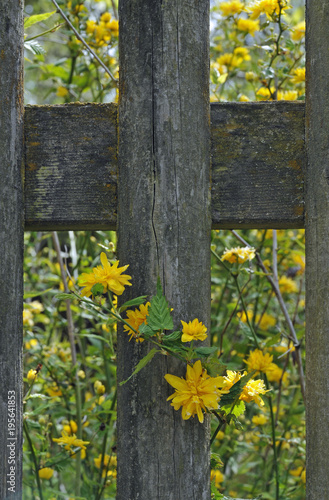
[317,244]
[70,166]
[258,159]
[163,229]
[11,247]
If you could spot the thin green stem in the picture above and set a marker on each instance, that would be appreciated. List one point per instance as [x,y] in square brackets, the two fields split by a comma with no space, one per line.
[34,458]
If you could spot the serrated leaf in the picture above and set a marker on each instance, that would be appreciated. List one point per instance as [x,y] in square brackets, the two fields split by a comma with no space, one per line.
[143,362]
[238,409]
[172,337]
[159,317]
[64,296]
[37,18]
[134,302]
[34,47]
[97,289]
[215,461]
[206,351]
[145,330]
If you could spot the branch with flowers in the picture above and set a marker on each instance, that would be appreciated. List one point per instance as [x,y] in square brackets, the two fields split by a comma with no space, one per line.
[204,389]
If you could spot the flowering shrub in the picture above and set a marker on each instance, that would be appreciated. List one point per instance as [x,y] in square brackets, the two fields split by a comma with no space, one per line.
[250,379]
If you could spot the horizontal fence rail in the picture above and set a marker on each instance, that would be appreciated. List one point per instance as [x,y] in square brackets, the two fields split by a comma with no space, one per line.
[258,163]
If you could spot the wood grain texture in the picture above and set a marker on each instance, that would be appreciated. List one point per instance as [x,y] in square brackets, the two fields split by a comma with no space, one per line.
[70,166]
[163,229]
[317,244]
[258,162]
[11,247]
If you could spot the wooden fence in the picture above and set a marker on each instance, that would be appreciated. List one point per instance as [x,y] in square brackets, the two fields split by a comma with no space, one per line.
[155,189]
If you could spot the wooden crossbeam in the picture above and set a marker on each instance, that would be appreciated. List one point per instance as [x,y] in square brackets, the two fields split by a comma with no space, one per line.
[258,163]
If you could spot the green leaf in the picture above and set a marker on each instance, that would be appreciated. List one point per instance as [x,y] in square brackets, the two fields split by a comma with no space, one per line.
[38,396]
[31,295]
[34,47]
[134,302]
[206,351]
[145,330]
[238,409]
[159,317]
[37,18]
[97,289]
[143,362]
[64,296]
[172,337]
[215,461]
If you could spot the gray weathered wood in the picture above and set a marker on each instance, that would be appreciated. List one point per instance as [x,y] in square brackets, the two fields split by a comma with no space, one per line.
[258,159]
[163,228]
[11,247]
[317,244]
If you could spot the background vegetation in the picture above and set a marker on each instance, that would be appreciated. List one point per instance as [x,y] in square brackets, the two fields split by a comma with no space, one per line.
[257,53]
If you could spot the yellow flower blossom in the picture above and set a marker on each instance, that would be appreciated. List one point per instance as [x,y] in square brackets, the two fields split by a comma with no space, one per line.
[287,285]
[239,254]
[231,8]
[81,374]
[90,26]
[54,391]
[251,390]
[32,375]
[299,76]
[110,276]
[297,472]
[30,344]
[106,17]
[70,428]
[265,321]
[36,307]
[217,477]
[244,98]
[287,95]
[135,319]
[197,392]
[248,25]
[258,361]
[242,52]
[274,374]
[62,91]
[193,330]
[109,461]
[70,441]
[228,60]
[260,419]
[99,387]
[46,473]
[268,7]
[27,318]
[265,92]
[250,76]
[298,31]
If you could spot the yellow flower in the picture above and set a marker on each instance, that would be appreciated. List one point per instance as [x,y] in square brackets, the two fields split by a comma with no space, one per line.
[229,60]
[197,392]
[46,473]
[239,254]
[217,476]
[299,76]
[99,388]
[107,462]
[70,441]
[106,17]
[250,76]
[113,26]
[299,260]
[265,321]
[244,98]
[260,419]
[81,374]
[252,391]
[258,361]
[297,472]
[90,26]
[36,306]
[135,319]
[231,8]
[54,391]
[32,375]
[70,428]
[265,92]
[248,25]
[31,343]
[110,277]
[268,7]
[298,31]
[287,285]
[242,52]
[27,317]
[193,330]
[62,91]
[274,374]
[287,95]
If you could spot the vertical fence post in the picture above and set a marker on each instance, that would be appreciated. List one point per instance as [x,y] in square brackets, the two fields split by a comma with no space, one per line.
[163,229]
[317,245]
[11,246]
